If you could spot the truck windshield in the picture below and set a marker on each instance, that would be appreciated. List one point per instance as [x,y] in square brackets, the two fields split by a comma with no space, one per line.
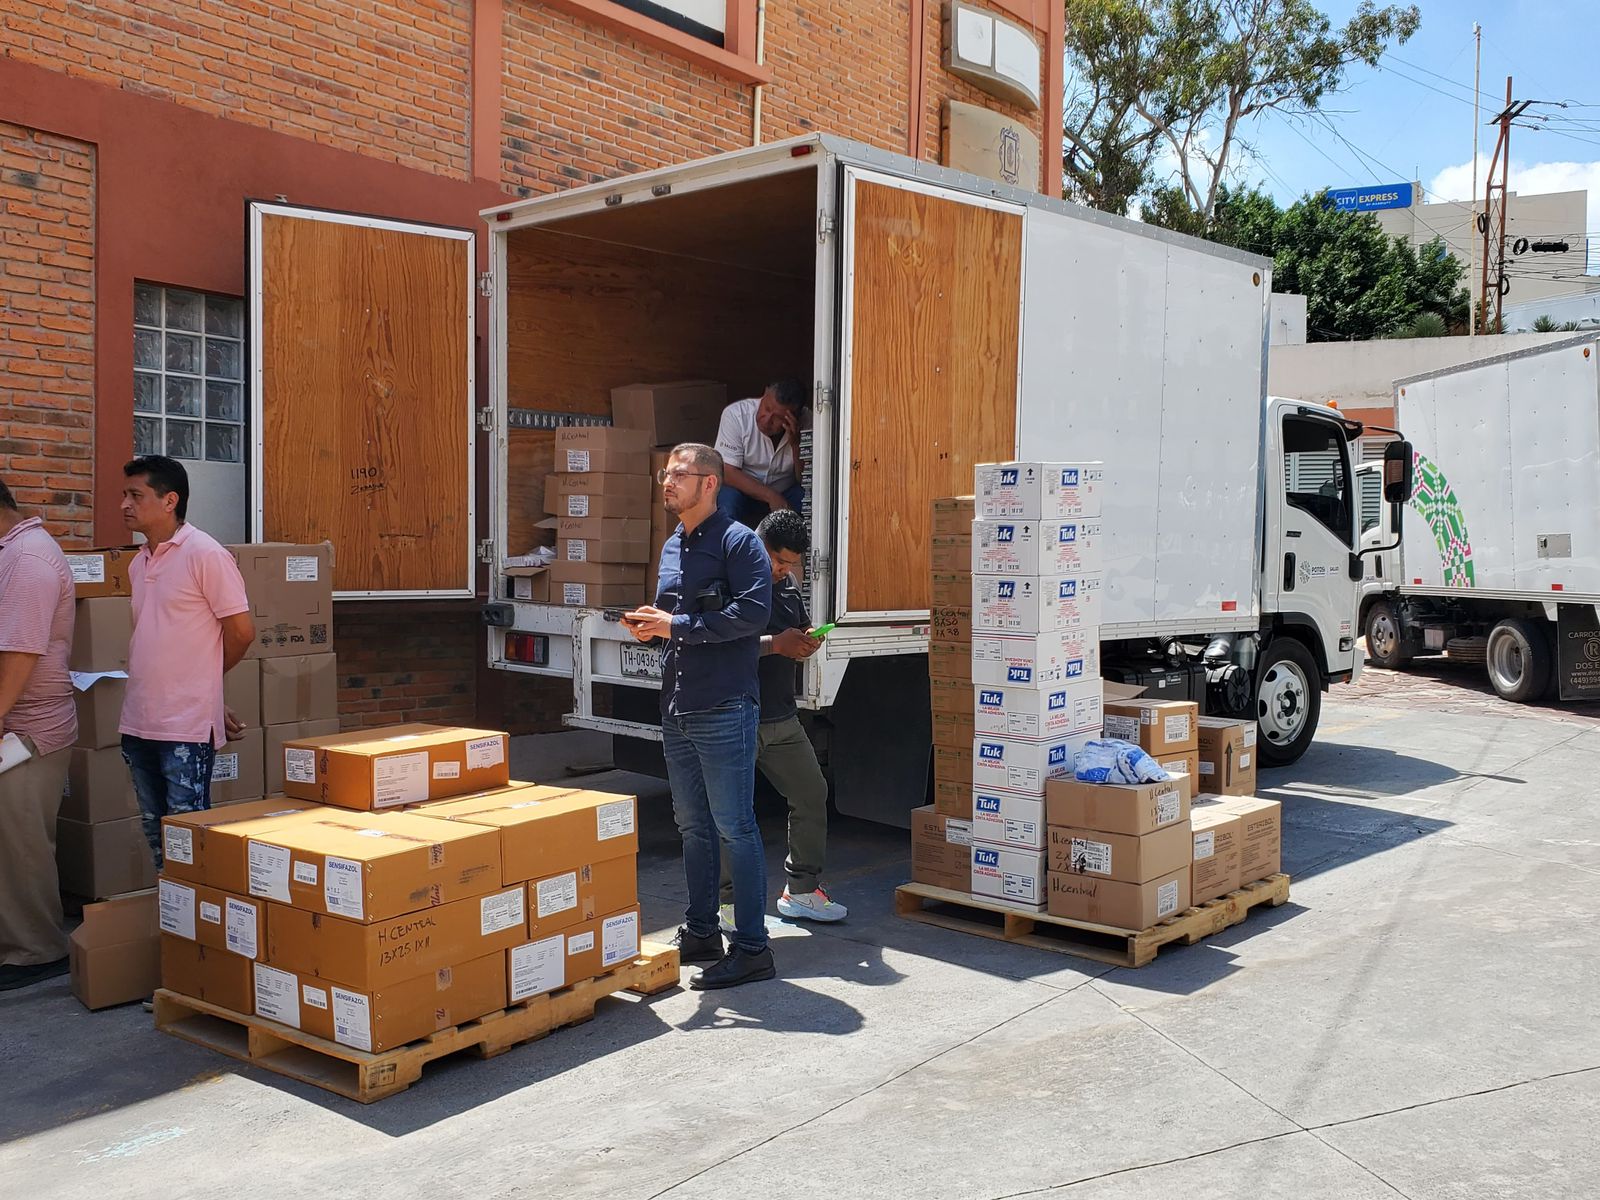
[1316,466]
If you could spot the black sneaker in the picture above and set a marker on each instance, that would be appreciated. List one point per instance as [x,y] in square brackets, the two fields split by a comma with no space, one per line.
[20,977]
[737,966]
[692,949]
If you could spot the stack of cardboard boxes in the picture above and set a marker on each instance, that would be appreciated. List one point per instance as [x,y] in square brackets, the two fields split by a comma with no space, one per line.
[598,492]
[343,914]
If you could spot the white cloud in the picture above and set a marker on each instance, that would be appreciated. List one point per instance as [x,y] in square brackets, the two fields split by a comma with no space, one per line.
[1528,179]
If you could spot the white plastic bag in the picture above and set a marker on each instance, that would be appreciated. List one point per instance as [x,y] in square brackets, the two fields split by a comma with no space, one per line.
[1107,760]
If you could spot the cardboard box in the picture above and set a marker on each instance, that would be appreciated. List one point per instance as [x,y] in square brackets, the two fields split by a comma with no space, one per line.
[1004,818]
[597,584]
[950,555]
[1218,843]
[215,919]
[370,956]
[1131,808]
[582,894]
[1011,876]
[597,495]
[1261,838]
[101,572]
[530,583]
[606,529]
[569,956]
[203,973]
[1127,858]
[582,449]
[950,624]
[951,661]
[99,788]
[241,690]
[1039,490]
[1035,603]
[941,849]
[237,770]
[115,955]
[1160,727]
[104,859]
[1036,659]
[404,1011]
[394,765]
[1187,763]
[300,687]
[671,413]
[1021,711]
[596,539]
[546,830]
[952,798]
[100,710]
[1017,546]
[1127,906]
[1024,764]
[953,729]
[291,596]
[952,516]
[953,765]
[373,866]
[1227,757]
[951,589]
[101,633]
[952,697]
[211,847]
[277,736]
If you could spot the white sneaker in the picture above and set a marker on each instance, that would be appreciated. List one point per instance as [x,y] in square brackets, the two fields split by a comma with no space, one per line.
[725,918]
[810,906]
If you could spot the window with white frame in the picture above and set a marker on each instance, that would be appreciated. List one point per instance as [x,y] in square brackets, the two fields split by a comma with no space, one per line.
[188,374]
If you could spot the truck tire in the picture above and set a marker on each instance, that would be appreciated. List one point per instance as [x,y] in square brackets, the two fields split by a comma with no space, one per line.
[1386,643]
[1288,701]
[1518,660]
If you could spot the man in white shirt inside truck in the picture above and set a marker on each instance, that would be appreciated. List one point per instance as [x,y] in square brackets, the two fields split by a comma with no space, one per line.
[757,440]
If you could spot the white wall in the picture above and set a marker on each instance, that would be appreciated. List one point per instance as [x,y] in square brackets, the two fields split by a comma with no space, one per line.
[1362,374]
[1583,309]
[1287,319]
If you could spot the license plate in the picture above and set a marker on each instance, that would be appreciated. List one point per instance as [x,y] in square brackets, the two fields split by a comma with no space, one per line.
[641,662]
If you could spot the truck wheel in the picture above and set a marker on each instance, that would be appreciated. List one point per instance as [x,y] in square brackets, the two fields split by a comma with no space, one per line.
[1288,701]
[1518,658]
[1386,645]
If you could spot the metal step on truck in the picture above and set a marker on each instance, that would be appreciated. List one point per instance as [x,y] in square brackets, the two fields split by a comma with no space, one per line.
[946,321]
[1499,562]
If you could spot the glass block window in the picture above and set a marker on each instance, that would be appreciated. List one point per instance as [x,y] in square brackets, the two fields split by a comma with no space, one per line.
[188,374]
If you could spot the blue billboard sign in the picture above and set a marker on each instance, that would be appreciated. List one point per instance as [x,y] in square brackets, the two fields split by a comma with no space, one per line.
[1371,199]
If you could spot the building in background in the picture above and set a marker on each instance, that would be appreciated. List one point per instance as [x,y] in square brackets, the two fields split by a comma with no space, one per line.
[131,136]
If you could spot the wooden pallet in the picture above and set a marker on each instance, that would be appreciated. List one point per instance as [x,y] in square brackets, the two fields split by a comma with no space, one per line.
[1103,943]
[366,1077]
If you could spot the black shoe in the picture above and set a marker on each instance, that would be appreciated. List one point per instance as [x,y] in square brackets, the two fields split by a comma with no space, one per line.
[737,966]
[692,949]
[20,977]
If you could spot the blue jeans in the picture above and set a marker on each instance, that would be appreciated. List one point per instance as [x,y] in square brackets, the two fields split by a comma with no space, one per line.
[168,777]
[711,765]
[736,506]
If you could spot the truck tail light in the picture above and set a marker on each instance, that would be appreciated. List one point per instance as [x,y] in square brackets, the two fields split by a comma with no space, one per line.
[530,648]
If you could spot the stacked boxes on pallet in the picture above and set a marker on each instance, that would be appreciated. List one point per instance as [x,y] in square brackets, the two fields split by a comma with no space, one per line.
[403,886]
[1036,589]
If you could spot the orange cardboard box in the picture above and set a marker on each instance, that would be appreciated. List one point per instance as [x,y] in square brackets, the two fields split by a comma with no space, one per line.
[115,955]
[209,846]
[401,764]
[571,955]
[212,918]
[544,831]
[1130,906]
[203,973]
[101,572]
[1218,840]
[581,894]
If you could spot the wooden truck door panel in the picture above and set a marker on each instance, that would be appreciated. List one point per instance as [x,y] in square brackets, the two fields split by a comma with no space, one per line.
[930,356]
[361,355]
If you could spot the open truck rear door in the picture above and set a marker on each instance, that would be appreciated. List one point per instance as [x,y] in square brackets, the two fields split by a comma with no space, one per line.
[362,397]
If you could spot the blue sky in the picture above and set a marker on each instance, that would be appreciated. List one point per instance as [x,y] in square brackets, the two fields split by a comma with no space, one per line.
[1406,129]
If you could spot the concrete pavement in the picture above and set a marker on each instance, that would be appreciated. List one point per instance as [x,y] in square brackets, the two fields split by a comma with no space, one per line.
[1417,1021]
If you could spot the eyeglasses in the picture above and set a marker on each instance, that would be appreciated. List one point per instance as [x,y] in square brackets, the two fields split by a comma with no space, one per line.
[678,475]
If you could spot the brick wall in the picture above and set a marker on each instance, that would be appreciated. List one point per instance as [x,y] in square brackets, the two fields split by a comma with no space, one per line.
[46,327]
[385,79]
[399,663]
[841,67]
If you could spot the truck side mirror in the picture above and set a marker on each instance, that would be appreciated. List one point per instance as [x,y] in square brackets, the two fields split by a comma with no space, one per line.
[1398,466]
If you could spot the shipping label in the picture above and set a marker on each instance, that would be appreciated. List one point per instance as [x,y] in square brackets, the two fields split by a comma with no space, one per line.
[581,944]
[577,506]
[958,833]
[1207,768]
[1244,762]
[210,913]
[269,872]
[352,1019]
[1205,845]
[399,779]
[1168,804]
[577,462]
[342,890]
[486,752]
[1089,857]
[619,939]
[614,820]
[447,770]
[224,768]
[176,904]
[577,550]
[556,894]
[305,873]
[574,595]
[1250,736]
[313,997]
[299,765]
[300,568]
[537,968]
[277,996]
[1121,728]
[177,844]
[500,912]
[1167,898]
[1177,728]
[242,934]
[87,568]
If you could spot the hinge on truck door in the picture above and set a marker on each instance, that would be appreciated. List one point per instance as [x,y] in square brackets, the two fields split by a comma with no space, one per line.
[486,551]
[486,419]
[485,284]
[824,396]
[825,224]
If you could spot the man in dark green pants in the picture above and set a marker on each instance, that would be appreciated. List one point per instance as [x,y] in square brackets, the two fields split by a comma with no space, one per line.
[783,751]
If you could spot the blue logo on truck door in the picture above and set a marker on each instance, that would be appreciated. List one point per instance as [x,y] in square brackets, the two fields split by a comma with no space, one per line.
[992,751]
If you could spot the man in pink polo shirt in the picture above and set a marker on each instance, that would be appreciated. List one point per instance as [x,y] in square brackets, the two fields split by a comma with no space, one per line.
[39,720]
[191,624]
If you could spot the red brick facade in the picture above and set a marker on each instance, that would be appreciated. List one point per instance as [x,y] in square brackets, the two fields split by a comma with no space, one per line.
[131,134]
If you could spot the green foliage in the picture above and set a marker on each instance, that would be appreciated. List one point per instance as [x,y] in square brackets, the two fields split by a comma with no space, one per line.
[1548,324]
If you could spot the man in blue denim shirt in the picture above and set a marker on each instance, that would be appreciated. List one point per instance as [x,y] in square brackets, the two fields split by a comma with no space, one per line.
[711,608]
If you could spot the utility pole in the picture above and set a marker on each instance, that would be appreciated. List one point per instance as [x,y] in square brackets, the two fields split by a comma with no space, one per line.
[1492,221]
[1472,207]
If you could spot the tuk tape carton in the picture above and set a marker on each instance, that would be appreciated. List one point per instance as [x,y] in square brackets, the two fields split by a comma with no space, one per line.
[1039,490]
[1024,764]
[1003,818]
[1010,875]
[1035,603]
[1017,546]
[1035,659]
[1029,712]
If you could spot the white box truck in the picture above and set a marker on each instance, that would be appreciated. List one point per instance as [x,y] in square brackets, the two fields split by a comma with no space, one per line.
[1499,561]
[944,321]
